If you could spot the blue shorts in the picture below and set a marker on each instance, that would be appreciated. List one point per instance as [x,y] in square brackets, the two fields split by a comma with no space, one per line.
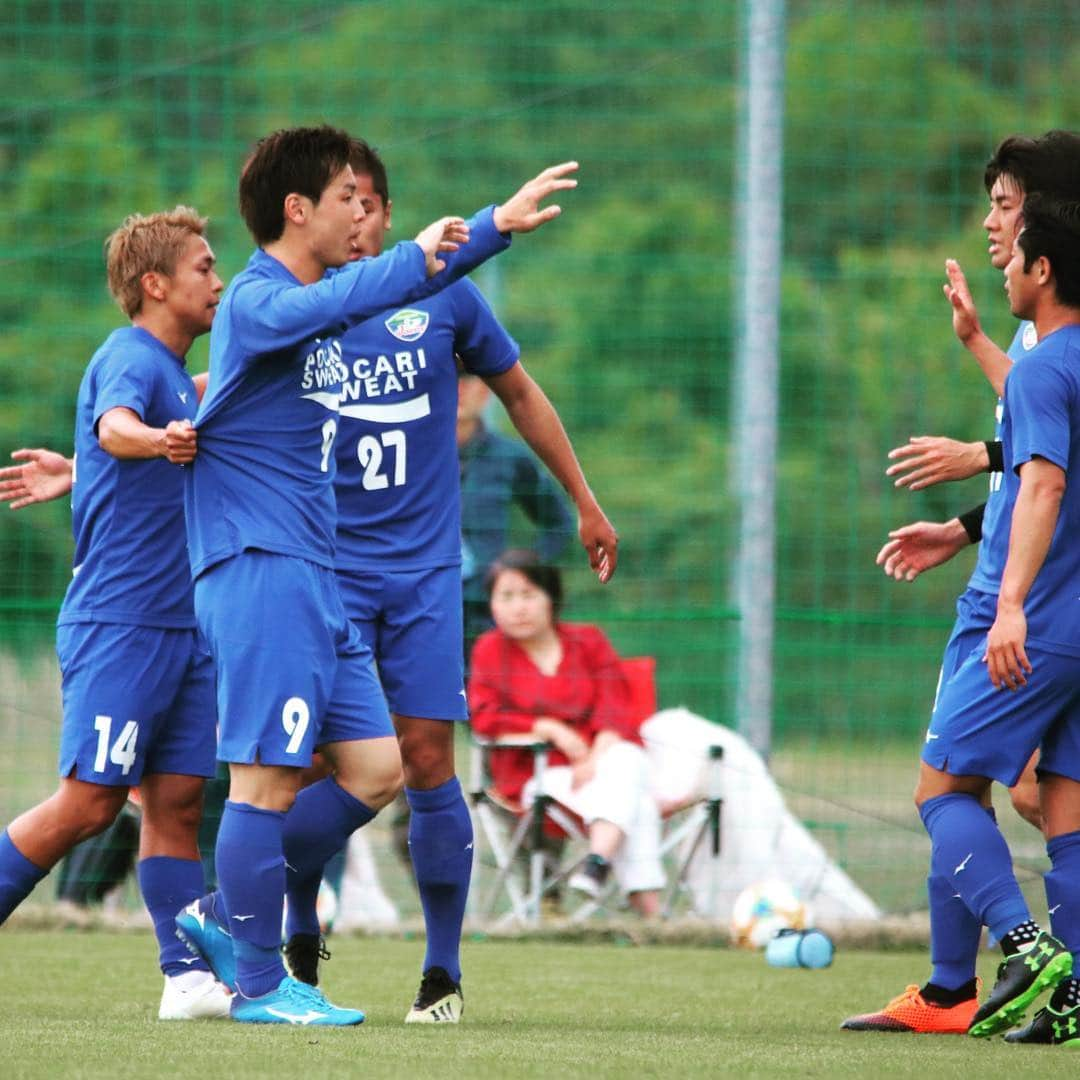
[293,673]
[136,700]
[411,619]
[975,614]
[977,730]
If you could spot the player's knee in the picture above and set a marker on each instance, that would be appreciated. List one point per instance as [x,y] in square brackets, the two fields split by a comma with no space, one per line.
[97,813]
[427,762]
[385,786]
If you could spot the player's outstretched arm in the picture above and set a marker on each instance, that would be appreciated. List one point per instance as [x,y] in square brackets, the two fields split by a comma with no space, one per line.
[926,460]
[44,475]
[913,549]
[446,234]
[522,211]
[994,363]
[123,434]
[536,419]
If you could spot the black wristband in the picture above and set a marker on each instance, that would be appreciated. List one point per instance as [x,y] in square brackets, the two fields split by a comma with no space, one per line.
[997,458]
[972,521]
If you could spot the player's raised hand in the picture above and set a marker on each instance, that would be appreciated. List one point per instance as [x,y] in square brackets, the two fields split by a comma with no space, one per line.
[522,211]
[446,234]
[43,475]
[920,546]
[965,317]
[181,442]
[600,540]
[926,460]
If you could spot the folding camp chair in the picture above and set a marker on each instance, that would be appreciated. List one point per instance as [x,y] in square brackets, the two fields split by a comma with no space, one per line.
[532,828]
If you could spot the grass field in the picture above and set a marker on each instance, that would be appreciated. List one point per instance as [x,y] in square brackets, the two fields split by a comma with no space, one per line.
[84,1005]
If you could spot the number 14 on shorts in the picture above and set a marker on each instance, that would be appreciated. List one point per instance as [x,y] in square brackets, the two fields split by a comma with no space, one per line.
[122,752]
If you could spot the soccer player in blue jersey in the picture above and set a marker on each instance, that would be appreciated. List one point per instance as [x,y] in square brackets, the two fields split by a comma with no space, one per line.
[947,1002]
[293,672]
[138,685]
[399,564]
[979,734]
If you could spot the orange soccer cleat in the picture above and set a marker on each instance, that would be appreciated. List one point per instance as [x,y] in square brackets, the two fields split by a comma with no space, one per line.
[913,1013]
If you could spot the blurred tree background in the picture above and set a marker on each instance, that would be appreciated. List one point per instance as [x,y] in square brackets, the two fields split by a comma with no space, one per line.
[624,307]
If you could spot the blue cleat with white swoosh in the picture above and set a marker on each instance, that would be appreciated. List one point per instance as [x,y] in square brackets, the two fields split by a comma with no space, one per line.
[202,930]
[293,1003]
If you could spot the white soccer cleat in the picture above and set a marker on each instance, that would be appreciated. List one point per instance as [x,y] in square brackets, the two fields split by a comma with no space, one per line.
[439,1000]
[206,999]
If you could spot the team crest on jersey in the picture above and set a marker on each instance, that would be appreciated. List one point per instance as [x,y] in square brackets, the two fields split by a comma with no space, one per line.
[408,324]
[1030,337]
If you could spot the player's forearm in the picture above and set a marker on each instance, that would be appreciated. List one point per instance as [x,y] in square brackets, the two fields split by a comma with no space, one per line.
[1034,519]
[123,435]
[536,420]
[994,363]
[485,241]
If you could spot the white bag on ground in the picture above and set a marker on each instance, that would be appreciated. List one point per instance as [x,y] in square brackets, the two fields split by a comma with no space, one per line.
[759,837]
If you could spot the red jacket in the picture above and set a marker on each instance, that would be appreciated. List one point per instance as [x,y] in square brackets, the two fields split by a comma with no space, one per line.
[507,693]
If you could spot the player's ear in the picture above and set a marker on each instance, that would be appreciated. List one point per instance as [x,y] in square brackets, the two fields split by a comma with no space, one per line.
[389,208]
[1042,270]
[295,208]
[153,285]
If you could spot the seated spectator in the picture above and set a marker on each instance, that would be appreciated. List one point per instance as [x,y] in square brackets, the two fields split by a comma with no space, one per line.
[561,683]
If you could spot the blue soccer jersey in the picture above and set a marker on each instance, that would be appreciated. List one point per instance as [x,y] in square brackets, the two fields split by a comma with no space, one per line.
[994,547]
[398,487]
[264,472]
[130,561]
[1042,419]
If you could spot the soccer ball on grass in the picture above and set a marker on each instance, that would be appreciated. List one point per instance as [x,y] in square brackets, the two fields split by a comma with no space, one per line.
[764,909]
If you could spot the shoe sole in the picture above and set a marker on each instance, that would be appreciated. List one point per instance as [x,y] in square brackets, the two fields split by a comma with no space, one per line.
[1012,1012]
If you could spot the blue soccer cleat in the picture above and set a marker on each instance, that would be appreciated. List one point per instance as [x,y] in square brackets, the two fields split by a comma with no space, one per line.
[293,1003]
[202,931]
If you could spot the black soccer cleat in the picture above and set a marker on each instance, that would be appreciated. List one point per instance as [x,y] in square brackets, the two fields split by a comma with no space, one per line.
[1021,978]
[1056,1024]
[439,1000]
[302,955]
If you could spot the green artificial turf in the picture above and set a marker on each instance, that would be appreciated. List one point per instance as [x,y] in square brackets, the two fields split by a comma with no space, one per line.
[84,1005]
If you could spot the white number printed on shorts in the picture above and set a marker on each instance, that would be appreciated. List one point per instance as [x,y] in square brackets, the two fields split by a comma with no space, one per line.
[123,750]
[294,719]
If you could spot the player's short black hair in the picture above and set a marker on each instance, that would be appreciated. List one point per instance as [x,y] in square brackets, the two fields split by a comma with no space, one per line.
[302,160]
[532,567]
[365,161]
[1052,230]
[1049,164]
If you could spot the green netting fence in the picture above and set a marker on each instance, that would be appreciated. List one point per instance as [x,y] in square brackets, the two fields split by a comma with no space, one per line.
[624,308]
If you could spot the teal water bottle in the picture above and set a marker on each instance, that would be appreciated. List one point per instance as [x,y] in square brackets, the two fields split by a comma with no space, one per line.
[800,948]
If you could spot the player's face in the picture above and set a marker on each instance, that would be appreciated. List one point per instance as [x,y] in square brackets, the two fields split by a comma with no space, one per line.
[521,610]
[194,287]
[376,221]
[1020,285]
[1004,220]
[334,225]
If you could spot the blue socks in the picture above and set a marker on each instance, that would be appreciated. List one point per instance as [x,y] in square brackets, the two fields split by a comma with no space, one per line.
[1063,893]
[168,885]
[969,852]
[318,826]
[251,878]
[441,846]
[954,933]
[18,876]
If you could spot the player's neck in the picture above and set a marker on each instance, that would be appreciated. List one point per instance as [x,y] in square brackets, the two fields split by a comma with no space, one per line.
[165,328]
[297,258]
[1053,315]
